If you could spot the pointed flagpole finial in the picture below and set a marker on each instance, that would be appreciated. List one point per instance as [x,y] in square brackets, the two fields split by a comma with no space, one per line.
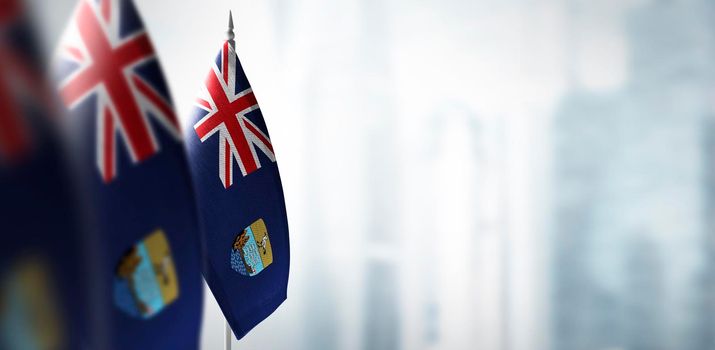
[230,33]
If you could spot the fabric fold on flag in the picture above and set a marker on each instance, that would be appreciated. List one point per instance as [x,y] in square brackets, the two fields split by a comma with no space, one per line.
[240,198]
[126,145]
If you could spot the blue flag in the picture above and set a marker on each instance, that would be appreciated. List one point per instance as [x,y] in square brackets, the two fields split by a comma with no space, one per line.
[240,197]
[41,250]
[127,148]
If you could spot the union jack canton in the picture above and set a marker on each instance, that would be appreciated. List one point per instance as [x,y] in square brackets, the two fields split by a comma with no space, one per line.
[21,79]
[13,131]
[102,55]
[228,104]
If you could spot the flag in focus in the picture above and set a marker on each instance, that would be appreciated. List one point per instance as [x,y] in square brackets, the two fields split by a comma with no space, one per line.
[41,251]
[126,145]
[240,197]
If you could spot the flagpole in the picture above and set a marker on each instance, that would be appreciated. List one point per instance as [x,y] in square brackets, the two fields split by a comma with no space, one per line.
[231,35]
[228,334]
[228,337]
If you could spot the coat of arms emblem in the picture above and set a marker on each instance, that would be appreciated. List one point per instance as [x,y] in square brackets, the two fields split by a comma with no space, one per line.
[251,251]
[146,281]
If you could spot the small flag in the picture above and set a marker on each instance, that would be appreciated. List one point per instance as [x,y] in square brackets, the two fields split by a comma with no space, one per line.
[41,251]
[126,142]
[240,197]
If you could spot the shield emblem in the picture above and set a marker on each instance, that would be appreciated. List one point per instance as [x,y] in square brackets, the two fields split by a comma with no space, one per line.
[29,313]
[251,252]
[146,281]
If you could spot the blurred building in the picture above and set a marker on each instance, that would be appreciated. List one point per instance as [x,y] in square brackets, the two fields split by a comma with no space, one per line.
[629,270]
[382,318]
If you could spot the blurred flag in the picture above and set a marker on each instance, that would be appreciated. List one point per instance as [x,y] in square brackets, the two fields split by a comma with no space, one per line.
[125,141]
[240,197]
[41,250]
[18,73]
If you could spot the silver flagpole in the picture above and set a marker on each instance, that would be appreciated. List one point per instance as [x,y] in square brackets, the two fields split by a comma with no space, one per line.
[228,334]
[230,33]
[228,337]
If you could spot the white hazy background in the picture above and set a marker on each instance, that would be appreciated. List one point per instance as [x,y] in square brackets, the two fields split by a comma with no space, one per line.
[474,174]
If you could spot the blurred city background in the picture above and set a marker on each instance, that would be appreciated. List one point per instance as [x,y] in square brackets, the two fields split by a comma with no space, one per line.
[474,174]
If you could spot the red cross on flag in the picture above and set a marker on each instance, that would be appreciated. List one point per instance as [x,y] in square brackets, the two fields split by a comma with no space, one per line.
[227,106]
[22,83]
[103,60]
